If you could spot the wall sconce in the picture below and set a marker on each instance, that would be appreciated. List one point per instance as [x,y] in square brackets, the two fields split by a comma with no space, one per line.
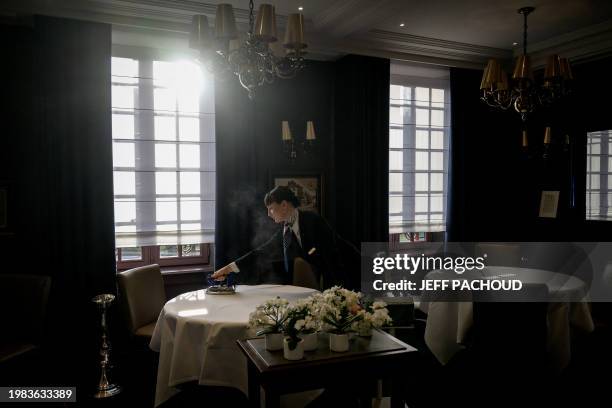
[549,147]
[547,141]
[290,144]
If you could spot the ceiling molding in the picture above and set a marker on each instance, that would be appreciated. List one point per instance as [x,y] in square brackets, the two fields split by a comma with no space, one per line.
[452,47]
[578,45]
[343,48]
[430,50]
[347,17]
[149,12]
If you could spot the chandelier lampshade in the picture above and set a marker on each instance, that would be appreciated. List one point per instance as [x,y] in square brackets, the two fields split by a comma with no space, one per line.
[294,36]
[565,69]
[553,67]
[522,68]
[265,24]
[225,23]
[200,32]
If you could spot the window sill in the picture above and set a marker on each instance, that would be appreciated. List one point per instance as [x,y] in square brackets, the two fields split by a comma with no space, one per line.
[186,270]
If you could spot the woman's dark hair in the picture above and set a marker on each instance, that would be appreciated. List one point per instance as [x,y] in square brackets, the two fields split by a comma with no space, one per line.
[280,194]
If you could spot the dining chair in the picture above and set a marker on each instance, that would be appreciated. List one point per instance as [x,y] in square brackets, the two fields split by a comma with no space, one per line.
[303,275]
[142,296]
[23,298]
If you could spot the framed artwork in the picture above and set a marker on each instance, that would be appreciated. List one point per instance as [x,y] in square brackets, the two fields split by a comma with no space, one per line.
[307,188]
[549,203]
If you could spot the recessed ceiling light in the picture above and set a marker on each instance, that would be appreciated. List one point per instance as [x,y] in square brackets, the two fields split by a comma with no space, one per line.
[515,43]
[300,8]
[402,24]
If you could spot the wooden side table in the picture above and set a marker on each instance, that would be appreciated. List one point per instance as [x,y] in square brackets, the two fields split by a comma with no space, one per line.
[381,356]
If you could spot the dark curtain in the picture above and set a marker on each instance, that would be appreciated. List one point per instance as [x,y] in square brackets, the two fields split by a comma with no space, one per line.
[250,152]
[361,148]
[60,139]
[489,194]
[238,201]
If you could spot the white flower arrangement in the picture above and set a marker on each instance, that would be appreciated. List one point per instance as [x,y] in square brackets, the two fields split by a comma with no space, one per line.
[269,316]
[309,307]
[374,315]
[338,309]
[295,323]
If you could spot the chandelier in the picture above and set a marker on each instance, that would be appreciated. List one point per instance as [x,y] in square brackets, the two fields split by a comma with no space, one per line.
[522,92]
[256,60]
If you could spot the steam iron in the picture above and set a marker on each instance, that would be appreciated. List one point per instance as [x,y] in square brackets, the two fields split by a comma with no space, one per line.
[226,287]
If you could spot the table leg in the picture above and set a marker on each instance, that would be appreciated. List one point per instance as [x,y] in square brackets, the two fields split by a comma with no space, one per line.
[272,398]
[397,399]
[253,379]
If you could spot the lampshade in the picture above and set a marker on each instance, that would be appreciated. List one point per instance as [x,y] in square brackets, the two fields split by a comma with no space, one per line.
[553,67]
[522,69]
[547,135]
[502,80]
[286,131]
[225,23]
[265,24]
[200,32]
[490,75]
[294,35]
[310,131]
[565,69]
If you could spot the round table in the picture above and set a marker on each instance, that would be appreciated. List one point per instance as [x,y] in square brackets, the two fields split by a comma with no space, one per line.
[196,336]
[448,322]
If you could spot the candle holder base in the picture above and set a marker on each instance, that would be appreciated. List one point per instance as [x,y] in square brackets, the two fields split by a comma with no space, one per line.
[111,390]
[105,389]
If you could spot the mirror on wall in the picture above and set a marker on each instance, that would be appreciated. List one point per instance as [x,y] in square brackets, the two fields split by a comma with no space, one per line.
[599,176]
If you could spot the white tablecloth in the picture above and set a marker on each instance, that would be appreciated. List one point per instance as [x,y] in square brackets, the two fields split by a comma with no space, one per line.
[449,322]
[196,336]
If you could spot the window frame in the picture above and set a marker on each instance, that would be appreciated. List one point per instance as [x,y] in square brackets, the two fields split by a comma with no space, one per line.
[604,160]
[151,255]
[415,82]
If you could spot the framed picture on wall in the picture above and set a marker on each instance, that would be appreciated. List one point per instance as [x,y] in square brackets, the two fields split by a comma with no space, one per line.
[549,203]
[307,188]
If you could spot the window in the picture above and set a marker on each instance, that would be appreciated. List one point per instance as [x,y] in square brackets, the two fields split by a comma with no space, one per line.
[164,255]
[163,161]
[419,110]
[599,176]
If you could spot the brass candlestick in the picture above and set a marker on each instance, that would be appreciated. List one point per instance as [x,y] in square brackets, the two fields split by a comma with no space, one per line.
[105,388]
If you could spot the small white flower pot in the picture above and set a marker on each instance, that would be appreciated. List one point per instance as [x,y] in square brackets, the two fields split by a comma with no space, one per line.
[311,341]
[297,353]
[338,342]
[274,341]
